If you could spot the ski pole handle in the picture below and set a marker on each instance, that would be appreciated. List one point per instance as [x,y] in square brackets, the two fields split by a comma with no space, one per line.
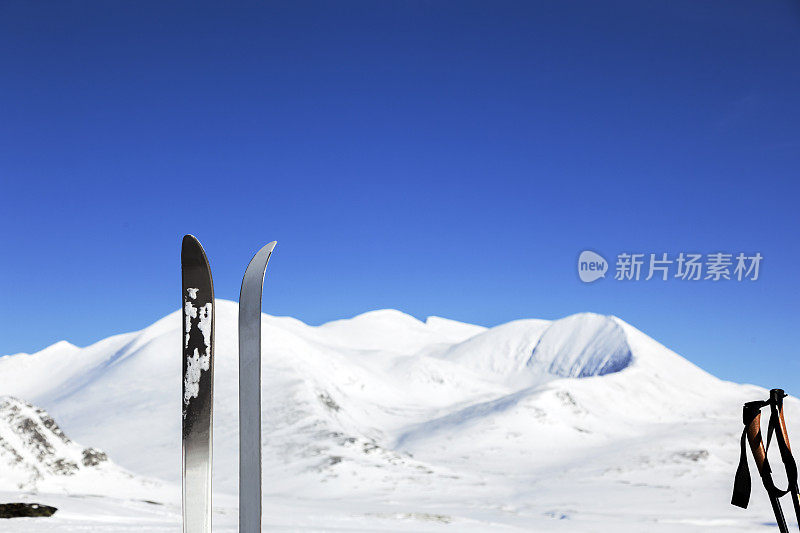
[755,439]
[776,396]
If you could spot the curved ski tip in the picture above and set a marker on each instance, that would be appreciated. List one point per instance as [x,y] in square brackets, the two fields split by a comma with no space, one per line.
[262,256]
[190,240]
[191,247]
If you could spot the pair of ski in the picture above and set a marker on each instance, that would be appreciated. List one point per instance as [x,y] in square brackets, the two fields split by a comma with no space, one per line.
[751,416]
[198,388]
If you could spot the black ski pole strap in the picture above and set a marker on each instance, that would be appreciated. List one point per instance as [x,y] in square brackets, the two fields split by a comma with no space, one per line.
[742,483]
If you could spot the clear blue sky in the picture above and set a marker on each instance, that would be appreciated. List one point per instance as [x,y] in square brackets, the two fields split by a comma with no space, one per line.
[447,158]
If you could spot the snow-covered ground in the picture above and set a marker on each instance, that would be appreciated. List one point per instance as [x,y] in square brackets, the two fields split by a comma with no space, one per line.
[386,423]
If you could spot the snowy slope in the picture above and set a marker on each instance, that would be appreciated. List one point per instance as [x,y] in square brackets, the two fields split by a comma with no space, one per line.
[36,455]
[384,422]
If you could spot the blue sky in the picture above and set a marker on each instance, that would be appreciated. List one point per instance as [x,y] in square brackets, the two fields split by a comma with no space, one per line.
[435,157]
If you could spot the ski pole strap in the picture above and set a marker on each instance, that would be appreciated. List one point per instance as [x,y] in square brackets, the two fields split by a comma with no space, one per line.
[741,485]
[751,416]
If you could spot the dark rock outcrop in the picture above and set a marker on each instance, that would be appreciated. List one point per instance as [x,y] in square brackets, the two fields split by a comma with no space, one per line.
[25,510]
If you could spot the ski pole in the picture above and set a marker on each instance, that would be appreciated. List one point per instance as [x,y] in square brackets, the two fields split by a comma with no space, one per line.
[752,412]
[776,397]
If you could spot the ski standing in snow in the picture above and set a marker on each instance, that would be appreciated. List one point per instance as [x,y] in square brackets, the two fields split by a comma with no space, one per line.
[198,385]
[250,391]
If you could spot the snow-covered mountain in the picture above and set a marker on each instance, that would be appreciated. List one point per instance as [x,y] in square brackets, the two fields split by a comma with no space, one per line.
[384,422]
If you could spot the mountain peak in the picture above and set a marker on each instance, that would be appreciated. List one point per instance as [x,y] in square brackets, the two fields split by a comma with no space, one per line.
[582,345]
[382,315]
[60,346]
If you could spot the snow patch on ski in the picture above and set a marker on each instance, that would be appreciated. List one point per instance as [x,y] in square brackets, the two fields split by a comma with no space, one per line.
[198,362]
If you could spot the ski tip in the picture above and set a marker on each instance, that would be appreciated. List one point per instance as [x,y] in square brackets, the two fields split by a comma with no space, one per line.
[262,255]
[266,249]
[190,240]
[260,260]
[192,250]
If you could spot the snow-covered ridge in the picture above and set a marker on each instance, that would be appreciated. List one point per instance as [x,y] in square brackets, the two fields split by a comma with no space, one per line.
[370,379]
